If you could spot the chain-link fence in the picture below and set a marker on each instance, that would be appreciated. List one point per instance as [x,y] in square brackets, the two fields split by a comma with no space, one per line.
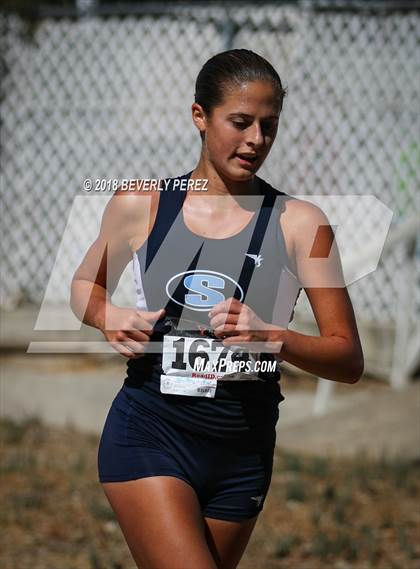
[108,96]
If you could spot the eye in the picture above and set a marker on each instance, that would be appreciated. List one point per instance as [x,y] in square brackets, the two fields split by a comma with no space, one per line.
[239,124]
[269,127]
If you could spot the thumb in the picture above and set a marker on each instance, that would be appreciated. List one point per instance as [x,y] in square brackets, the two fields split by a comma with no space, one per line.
[153,316]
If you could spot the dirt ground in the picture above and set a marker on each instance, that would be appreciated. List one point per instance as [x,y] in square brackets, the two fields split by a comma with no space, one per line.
[344,492]
[77,390]
[368,417]
[336,513]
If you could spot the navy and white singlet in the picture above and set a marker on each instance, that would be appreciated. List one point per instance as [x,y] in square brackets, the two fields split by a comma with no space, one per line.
[197,438]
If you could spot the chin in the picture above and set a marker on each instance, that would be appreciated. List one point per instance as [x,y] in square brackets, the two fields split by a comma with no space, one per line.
[240,174]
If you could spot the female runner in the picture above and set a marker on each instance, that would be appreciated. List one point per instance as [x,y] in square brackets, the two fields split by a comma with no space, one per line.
[186,454]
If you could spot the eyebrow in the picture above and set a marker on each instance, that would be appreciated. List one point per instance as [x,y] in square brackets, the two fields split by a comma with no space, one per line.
[246,116]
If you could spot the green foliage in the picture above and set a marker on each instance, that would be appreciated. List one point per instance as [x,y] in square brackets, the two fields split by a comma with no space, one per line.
[295,490]
[370,542]
[329,492]
[318,466]
[293,462]
[405,544]
[321,545]
[340,546]
[12,432]
[100,509]
[285,545]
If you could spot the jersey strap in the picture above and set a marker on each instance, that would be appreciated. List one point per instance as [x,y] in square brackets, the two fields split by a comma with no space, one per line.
[167,213]
[255,244]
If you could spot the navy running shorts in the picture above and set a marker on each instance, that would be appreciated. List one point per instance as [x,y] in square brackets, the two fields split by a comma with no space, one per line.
[231,478]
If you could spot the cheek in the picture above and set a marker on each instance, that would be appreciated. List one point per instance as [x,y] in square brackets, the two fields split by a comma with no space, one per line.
[223,127]
[223,140]
[230,138]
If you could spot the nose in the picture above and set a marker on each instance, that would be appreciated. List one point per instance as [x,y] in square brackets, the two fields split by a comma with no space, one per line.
[255,135]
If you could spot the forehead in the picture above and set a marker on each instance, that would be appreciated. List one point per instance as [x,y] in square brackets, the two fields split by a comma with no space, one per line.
[251,96]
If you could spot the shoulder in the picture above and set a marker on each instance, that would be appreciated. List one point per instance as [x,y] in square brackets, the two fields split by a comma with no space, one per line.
[294,212]
[128,212]
[308,229]
[132,201]
[312,239]
[303,213]
[304,226]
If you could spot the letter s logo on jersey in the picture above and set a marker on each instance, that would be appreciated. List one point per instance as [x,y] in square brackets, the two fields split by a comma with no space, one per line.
[202,289]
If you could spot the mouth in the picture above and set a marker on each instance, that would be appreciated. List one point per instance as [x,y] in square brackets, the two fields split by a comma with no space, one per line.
[246,159]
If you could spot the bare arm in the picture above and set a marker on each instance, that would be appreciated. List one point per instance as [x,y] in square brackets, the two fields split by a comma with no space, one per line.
[96,278]
[337,353]
[125,218]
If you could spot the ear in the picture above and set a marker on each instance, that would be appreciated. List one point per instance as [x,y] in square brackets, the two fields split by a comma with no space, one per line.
[199,117]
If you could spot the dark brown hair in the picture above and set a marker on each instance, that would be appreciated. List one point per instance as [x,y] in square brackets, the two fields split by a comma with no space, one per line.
[235,66]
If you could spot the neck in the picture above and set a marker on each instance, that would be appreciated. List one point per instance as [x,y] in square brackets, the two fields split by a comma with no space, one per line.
[219,185]
[224,193]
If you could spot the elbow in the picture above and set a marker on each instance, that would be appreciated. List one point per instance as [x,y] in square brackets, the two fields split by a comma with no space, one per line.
[73,299]
[354,370]
[73,292]
[76,297]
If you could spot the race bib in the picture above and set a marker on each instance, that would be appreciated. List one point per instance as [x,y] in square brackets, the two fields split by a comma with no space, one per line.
[196,386]
[193,366]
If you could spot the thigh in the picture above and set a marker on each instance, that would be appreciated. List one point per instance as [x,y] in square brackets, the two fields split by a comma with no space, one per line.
[227,540]
[136,443]
[161,520]
[240,480]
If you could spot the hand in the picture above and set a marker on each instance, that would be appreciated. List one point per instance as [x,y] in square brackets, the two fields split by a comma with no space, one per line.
[238,324]
[128,330]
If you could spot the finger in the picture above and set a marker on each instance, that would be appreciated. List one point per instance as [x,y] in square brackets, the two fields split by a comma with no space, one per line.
[223,331]
[135,347]
[136,335]
[222,319]
[230,305]
[245,343]
[149,319]
[235,338]
[123,350]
